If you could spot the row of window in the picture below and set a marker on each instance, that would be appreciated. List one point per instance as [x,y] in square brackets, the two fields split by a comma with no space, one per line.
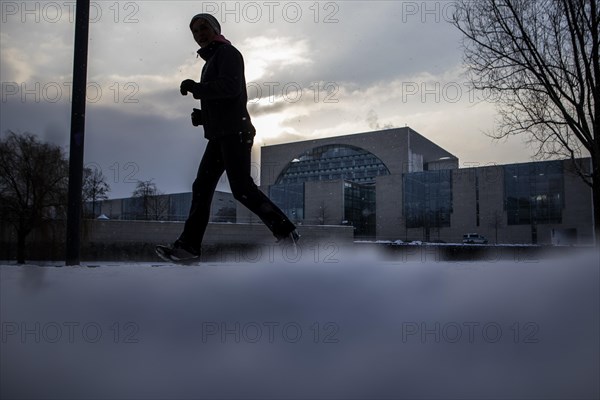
[362,176]
[374,170]
[533,194]
[331,151]
[295,169]
[333,162]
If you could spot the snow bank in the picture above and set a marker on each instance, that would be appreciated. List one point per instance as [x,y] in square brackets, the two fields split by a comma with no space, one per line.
[331,324]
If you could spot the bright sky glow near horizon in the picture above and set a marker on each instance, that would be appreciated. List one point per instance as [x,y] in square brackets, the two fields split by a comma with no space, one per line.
[313,70]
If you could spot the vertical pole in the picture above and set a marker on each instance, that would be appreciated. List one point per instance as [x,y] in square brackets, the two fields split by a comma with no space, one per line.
[595,183]
[80,53]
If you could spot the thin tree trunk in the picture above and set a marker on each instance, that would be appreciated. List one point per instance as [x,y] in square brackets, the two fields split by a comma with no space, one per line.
[21,247]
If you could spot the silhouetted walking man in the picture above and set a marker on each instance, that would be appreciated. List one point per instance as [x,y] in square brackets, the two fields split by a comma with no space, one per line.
[230,133]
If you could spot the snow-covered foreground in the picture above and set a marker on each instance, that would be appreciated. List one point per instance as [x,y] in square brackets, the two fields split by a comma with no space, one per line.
[343,324]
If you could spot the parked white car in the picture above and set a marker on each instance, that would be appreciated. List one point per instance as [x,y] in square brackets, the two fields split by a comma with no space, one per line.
[474,238]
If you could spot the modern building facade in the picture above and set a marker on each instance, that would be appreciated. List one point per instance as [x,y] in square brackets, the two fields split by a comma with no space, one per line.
[395,184]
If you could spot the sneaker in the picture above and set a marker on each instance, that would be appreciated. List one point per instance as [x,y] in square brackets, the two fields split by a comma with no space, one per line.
[184,251]
[178,252]
[291,239]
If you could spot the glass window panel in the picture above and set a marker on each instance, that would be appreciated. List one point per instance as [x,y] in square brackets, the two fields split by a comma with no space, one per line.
[534,193]
[428,198]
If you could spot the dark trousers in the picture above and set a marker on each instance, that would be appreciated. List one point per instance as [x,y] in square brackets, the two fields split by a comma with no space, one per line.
[229,154]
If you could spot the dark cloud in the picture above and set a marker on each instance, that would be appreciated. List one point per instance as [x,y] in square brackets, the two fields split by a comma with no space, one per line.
[354,46]
[126,148]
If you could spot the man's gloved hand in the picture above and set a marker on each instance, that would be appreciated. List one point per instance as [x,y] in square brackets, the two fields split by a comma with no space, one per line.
[187,86]
[196,117]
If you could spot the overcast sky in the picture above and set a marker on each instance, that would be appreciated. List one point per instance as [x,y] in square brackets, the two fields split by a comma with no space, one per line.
[314,70]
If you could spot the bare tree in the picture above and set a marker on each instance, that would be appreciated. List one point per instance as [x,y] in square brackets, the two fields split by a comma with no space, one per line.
[154,204]
[539,60]
[33,184]
[95,187]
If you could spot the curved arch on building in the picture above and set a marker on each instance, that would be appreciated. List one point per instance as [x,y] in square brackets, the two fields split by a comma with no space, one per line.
[332,162]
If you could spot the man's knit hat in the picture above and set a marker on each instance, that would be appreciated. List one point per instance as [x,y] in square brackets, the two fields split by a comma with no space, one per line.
[212,21]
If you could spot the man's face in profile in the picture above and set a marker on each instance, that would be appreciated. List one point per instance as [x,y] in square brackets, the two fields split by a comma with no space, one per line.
[203,33]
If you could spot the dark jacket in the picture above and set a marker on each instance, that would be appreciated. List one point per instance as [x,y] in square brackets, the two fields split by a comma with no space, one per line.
[222,93]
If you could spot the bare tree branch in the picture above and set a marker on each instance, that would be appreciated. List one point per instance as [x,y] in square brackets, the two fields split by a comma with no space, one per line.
[539,62]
